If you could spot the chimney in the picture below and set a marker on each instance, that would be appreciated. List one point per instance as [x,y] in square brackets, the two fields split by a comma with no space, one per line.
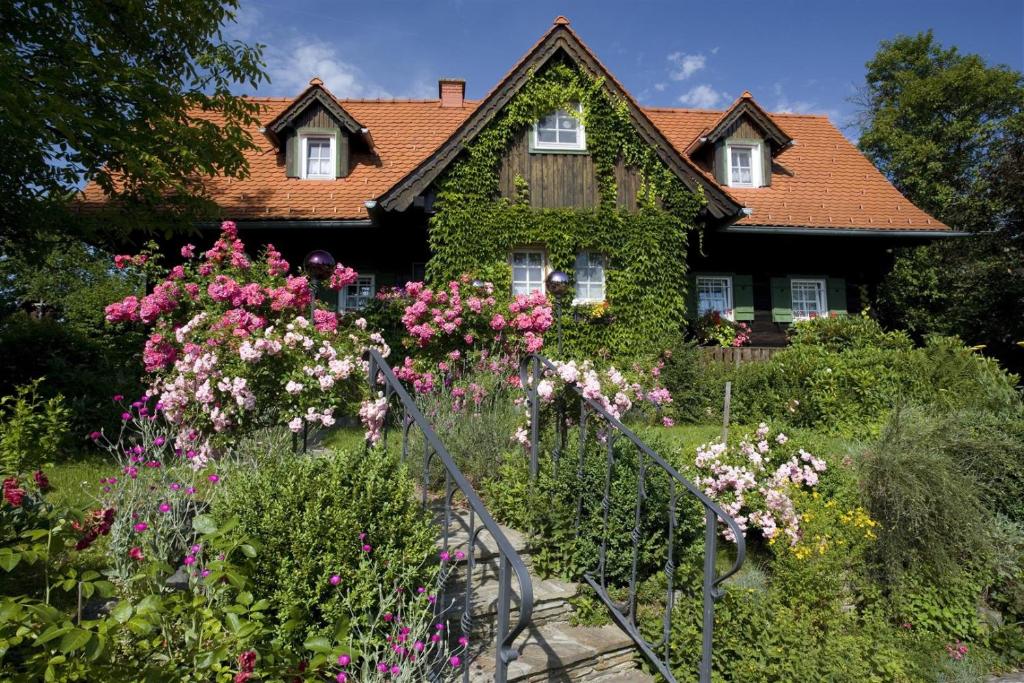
[451,91]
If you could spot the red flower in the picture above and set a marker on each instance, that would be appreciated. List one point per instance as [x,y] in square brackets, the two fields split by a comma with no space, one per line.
[41,480]
[13,494]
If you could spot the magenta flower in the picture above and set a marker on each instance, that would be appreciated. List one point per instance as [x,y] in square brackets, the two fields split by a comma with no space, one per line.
[459,555]
[388,616]
[190,560]
[445,556]
[344,660]
[395,670]
[335,580]
[141,526]
[382,667]
[342,677]
[159,441]
[455,661]
[126,416]
[118,398]
[164,507]
[136,554]
[463,641]
[367,548]
[95,436]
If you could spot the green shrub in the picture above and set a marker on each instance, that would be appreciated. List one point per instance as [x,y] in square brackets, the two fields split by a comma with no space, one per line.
[32,429]
[844,332]
[306,514]
[932,517]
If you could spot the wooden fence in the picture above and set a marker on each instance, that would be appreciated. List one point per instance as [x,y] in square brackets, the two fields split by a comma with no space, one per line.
[743,354]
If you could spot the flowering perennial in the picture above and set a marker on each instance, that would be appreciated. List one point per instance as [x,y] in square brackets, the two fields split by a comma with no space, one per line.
[755,485]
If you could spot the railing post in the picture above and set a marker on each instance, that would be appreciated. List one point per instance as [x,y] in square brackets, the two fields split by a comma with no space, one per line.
[710,551]
[504,607]
[534,418]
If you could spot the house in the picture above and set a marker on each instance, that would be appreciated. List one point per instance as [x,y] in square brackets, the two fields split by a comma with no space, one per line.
[790,220]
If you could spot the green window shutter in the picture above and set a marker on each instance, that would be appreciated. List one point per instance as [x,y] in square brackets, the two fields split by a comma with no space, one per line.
[291,155]
[691,297]
[743,297]
[721,159]
[766,164]
[342,157]
[836,292]
[782,301]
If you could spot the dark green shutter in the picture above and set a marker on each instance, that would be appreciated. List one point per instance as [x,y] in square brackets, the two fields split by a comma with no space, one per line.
[766,164]
[342,157]
[743,297]
[836,288]
[291,155]
[782,300]
[721,159]
[691,297]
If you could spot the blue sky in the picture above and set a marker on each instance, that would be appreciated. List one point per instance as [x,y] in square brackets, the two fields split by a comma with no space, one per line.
[793,56]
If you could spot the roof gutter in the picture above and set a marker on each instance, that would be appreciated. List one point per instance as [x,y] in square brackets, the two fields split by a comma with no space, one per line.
[291,224]
[838,232]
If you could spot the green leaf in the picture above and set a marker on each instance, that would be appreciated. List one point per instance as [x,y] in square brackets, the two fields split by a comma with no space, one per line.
[318,644]
[122,612]
[204,524]
[75,640]
[51,633]
[9,559]
[244,598]
[247,550]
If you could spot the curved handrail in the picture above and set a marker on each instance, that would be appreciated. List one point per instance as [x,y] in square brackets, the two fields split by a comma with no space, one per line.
[530,371]
[510,558]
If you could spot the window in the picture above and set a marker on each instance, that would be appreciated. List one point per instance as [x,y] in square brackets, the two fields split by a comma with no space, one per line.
[527,271]
[714,293]
[589,277]
[318,157]
[808,298]
[559,130]
[745,165]
[358,294]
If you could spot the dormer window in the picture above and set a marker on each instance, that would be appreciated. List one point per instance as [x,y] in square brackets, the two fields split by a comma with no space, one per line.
[559,131]
[744,165]
[318,154]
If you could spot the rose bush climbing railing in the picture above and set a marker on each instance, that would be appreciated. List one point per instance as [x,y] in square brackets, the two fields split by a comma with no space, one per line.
[535,375]
[386,386]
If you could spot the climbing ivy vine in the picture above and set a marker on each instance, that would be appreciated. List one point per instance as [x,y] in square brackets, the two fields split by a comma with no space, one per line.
[475,228]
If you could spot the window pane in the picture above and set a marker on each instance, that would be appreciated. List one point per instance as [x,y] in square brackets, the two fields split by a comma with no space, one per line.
[713,294]
[567,122]
[567,136]
[546,135]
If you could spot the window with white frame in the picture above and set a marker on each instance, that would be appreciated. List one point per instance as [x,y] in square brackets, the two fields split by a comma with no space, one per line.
[744,165]
[714,293]
[358,294]
[559,130]
[527,271]
[808,299]
[589,273]
[318,157]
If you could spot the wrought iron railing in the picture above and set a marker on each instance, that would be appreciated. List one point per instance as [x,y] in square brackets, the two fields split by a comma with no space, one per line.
[383,380]
[531,371]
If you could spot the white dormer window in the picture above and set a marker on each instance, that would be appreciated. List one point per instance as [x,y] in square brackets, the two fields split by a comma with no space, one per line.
[318,157]
[559,131]
[744,165]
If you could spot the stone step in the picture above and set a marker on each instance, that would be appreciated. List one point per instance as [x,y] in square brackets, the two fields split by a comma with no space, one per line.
[564,653]
[486,548]
[550,597]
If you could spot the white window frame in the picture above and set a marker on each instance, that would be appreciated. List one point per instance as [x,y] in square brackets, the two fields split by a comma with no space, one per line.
[304,159]
[361,281]
[543,269]
[603,282]
[756,177]
[581,135]
[823,299]
[730,312]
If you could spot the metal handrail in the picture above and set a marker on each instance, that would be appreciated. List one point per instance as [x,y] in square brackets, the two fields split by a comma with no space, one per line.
[379,372]
[531,369]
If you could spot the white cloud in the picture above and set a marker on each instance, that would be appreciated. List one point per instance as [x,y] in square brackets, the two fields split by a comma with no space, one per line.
[683,66]
[292,67]
[714,50]
[701,97]
[660,87]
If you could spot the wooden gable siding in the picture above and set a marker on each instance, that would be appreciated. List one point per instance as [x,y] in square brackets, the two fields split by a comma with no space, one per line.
[315,116]
[743,130]
[561,180]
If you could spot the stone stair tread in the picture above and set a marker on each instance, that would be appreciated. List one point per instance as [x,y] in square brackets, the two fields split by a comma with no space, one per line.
[561,652]
[486,547]
[627,676]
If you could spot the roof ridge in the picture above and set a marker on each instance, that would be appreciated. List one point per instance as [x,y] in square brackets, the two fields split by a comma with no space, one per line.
[691,110]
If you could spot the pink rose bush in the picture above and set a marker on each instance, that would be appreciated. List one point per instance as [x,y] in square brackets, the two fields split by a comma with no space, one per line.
[232,346]
[756,483]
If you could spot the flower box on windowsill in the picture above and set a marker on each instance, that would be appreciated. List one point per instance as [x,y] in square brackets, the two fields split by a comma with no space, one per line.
[595,313]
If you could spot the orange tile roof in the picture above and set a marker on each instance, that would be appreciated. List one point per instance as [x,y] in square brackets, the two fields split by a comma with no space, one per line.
[822,181]
[404,132]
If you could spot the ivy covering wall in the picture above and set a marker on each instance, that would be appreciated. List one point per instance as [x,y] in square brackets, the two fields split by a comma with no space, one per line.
[475,228]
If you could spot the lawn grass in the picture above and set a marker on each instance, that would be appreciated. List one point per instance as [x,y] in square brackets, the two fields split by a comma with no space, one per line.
[344,439]
[75,483]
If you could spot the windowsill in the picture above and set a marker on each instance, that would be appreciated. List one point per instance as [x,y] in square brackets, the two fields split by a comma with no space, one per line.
[557,150]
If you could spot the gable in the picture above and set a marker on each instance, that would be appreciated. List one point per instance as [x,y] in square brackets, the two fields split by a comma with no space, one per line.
[560,40]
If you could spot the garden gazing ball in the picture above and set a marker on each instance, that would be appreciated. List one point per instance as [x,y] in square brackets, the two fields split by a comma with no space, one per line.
[558,283]
[319,264]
